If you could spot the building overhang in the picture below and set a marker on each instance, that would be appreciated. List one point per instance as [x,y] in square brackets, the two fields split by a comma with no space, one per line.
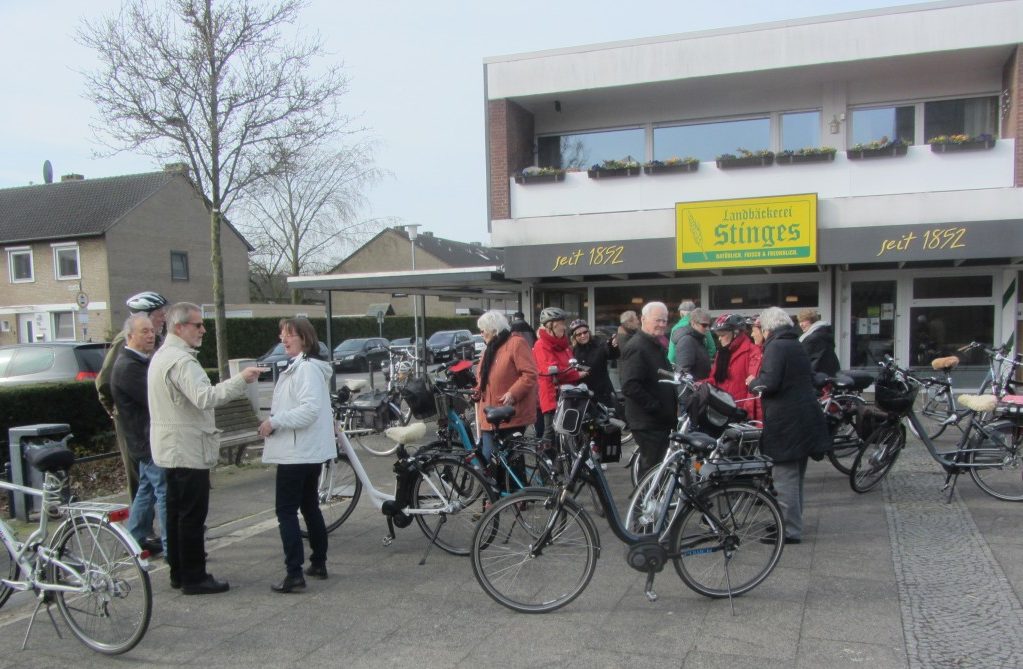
[478,282]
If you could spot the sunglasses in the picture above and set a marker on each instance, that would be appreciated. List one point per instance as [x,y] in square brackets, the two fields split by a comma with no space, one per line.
[581,332]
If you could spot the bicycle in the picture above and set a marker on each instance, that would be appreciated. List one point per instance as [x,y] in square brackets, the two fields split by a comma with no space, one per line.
[90,565]
[841,400]
[437,491]
[364,415]
[989,451]
[536,551]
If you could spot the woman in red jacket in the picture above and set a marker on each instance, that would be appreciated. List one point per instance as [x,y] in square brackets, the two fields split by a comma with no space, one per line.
[552,349]
[734,361]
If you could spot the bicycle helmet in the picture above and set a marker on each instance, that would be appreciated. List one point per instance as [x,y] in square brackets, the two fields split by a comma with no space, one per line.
[576,324]
[552,314]
[146,301]
[727,323]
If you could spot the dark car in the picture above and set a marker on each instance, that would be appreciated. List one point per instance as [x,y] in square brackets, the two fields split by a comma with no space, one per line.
[50,362]
[445,345]
[358,354]
[277,355]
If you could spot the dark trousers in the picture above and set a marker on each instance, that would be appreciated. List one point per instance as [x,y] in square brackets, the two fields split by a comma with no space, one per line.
[296,490]
[131,463]
[652,446]
[188,502]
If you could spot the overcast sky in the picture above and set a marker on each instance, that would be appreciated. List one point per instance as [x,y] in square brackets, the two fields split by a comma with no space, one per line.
[416,80]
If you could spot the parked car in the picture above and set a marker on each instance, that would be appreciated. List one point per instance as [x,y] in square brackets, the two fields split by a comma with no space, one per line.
[445,345]
[358,354]
[477,340]
[277,355]
[50,362]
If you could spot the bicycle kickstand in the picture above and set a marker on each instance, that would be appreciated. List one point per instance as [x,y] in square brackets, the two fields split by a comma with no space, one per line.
[648,589]
[390,532]
[429,545]
[950,484]
[44,598]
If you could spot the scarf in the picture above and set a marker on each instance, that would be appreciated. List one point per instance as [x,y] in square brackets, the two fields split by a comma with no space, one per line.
[488,357]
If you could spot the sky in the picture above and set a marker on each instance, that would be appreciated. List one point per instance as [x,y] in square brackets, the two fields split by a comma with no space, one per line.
[416,83]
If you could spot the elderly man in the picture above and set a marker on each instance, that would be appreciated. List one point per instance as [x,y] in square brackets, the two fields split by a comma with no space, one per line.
[184,440]
[628,326]
[650,406]
[128,384]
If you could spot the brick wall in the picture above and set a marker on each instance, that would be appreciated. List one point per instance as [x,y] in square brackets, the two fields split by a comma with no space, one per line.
[510,139]
[1012,124]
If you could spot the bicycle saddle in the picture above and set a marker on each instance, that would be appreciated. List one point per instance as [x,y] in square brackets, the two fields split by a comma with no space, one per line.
[980,403]
[945,364]
[355,385]
[820,379]
[50,458]
[697,442]
[853,379]
[496,415]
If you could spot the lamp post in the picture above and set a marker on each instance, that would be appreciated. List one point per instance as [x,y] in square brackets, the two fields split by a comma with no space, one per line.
[413,231]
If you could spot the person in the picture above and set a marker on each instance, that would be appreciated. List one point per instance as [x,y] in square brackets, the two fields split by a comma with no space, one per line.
[299,436]
[155,306]
[691,355]
[650,406]
[629,325]
[506,376]
[818,339]
[552,350]
[756,334]
[128,386]
[520,327]
[685,310]
[594,352]
[734,361]
[183,437]
[794,426]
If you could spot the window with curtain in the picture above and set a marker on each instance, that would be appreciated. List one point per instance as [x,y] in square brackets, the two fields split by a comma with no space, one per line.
[967,116]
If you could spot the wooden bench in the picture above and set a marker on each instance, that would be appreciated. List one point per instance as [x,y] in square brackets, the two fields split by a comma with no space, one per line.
[238,422]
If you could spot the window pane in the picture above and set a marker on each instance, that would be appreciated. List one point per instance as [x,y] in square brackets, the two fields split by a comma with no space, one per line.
[179,266]
[970,116]
[611,302]
[67,263]
[871,125]
[589,148]
[31,361]
[751,296]
[707,141]
[872,335]
[800,130]
[64,324]
[941,331]
[941,287]
[21,265]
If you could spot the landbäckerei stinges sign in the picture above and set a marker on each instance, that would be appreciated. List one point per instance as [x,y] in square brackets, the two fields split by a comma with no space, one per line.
[748,232]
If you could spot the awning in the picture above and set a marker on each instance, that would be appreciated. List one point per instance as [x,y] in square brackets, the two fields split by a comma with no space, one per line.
[480,282]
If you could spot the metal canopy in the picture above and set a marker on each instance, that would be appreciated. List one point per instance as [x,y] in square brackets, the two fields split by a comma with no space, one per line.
[457,282]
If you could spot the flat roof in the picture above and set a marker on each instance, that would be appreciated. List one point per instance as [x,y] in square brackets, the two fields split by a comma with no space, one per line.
[456,282]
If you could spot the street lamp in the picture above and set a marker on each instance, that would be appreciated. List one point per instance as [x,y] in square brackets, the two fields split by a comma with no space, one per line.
[412,230]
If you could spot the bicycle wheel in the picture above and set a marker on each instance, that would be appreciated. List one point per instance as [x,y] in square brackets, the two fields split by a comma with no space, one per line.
[933,407]
[515,576]
[9,567]
[339,490]
[844,414]
[462,493]
[110,614]
[645,510]
[634,476]
[877,457]
[366,438]
[526,469]
[997,468]
[736,556]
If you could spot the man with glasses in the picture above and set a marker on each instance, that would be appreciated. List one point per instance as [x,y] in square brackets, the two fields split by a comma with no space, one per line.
[649,405]
[685,309]
[184,441]
[691,355]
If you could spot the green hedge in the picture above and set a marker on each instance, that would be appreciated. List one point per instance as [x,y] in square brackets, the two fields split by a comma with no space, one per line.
[73,403]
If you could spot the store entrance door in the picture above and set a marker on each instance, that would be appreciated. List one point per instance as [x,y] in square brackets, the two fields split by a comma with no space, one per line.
[871,322]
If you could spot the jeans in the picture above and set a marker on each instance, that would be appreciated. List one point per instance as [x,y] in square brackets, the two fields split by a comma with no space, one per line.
[296,490]
[150,500]
[788,482]
[188,502]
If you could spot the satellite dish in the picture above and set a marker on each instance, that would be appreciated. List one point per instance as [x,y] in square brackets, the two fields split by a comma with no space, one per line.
[47,172]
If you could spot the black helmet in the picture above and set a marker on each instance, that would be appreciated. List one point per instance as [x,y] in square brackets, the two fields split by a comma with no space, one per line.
[146,301]
[552,314]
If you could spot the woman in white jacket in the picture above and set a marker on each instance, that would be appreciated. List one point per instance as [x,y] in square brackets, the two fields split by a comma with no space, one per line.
[299,438]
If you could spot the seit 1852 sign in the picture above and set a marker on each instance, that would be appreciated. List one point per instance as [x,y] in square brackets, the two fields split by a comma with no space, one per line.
[747,232]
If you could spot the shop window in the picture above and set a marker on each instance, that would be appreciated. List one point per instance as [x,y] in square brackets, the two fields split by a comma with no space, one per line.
[968,116]
[876,123]
[800,130]
[946,287]
[612,301]
[707,141]
[940,331]
[872,335]
[746,297]
[19,264]
[179,266]
[585,149]
[66,262]
[64,325]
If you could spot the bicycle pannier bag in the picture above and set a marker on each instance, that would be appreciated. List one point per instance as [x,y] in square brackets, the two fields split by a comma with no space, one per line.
[572,407]
[419,397]
[374,411]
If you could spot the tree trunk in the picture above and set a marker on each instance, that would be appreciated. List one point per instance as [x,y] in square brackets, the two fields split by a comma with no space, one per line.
[220,314]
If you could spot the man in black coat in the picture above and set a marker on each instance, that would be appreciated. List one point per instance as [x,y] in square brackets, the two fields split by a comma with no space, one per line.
[650,406]
[691,356]
[794,426]
[130,393]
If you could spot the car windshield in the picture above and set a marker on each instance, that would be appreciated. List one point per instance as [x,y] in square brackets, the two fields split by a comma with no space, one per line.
[350,346]
[442,338]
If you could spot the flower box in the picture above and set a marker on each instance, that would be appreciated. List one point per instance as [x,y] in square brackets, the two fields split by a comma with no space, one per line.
[609,172]
[539,178]
[971,145]
[744,161]
[881,152]
[796,158]
[671,169]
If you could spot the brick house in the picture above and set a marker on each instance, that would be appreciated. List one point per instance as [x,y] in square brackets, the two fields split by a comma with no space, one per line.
[99,241]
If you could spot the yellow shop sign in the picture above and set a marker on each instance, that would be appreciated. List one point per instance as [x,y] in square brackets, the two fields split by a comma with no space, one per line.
[749,232]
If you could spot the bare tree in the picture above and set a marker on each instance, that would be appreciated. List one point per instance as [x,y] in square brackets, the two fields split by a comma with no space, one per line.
[304,217]
[218,84]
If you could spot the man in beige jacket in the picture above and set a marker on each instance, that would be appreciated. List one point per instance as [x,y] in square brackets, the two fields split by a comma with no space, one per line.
[185,442]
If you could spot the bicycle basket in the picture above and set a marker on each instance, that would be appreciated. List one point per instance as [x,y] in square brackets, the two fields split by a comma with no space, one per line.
[572,408]
[419,397]
[374,412]
[895,393]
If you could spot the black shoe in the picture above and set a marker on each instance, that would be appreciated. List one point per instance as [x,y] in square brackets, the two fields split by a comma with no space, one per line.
[154,546]
[317,571]
[290,584]
[175,583]
[209,586]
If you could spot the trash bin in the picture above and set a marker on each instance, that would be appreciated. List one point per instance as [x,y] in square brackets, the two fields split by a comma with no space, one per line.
[20,441]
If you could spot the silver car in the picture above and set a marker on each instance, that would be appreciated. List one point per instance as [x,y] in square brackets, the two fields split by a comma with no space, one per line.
[50,362]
